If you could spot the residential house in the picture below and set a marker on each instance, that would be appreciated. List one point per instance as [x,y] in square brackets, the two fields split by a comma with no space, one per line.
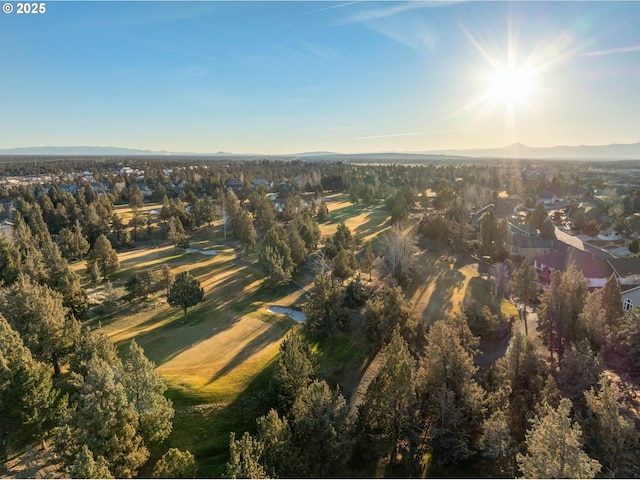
[630,297]
[476,218]
[527,246]
[235,185]
[256,182]
[595,269]
[627,270]
[518,227]
[6,229]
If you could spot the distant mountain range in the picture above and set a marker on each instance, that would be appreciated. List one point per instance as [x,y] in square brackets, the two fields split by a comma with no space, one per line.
[516,150]
[614,151]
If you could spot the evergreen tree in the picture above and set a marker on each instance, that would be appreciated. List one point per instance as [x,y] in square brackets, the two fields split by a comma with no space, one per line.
[525,287]
[104,256]
[145,388]
[592,319]
[274,264]
[85,466]
[9,261]
[105,421]
[554,446]
[628,337]
[612,437]
[280,457]
[72,243]
[612,303]
[452,400]
[562,304]
[29,403]
[175,464]
[244,461]
[245,230]
[60,277]
[185,292]
[386,416]
[296,368]
[344,264]
[176,234]
[275,257]
[538,216]
[94,344]
[321,430]
[368,259]
[166,277]
[325,310]
[36,312]
[497,443]
[548,230]
[140,284]
[384,312]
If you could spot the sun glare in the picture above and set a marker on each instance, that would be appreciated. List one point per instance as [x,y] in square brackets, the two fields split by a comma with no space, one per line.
[511,86]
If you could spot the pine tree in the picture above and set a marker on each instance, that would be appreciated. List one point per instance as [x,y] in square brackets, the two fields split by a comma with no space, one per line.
[245,231]
[452,401]
[497,443]
[321,430]
[367,261]
[37,313]
[280,457]
[104,256]
[612,303]
[325,310]
[296,368]
[145,389]
[275,265]
[390,404]
[166,277]
[175,464]
[85,466]
[612,437]
[525,286]
[105,421]
[29,403]
[176,234]
[244,461]
[554,446]
[185,292]
[386,310]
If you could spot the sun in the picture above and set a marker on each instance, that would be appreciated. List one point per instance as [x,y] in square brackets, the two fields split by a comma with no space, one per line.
[511,86]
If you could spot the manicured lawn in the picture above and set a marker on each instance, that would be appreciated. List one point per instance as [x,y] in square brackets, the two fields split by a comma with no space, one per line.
[366,221]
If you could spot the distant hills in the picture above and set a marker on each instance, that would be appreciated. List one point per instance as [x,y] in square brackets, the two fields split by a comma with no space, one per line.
[515,151]
[583,152]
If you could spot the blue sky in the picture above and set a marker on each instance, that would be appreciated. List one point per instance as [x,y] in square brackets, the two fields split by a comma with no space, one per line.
[285,77]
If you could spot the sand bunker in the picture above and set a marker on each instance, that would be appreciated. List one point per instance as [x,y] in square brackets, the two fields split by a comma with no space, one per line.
[297,315]
[203,252]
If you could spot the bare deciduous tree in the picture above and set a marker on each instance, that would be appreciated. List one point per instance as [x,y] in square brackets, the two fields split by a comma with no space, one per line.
[399,246]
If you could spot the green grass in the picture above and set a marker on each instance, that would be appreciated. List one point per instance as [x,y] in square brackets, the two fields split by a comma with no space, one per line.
[219,364]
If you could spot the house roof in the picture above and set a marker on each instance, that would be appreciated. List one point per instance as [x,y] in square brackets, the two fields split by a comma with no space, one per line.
[564,254]
[625,267]
[522,228]
[526,241]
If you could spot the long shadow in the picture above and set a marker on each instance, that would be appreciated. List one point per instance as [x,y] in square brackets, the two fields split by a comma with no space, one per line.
[273,333]
[205,431]
[171,339]
[440,300]
[375,221]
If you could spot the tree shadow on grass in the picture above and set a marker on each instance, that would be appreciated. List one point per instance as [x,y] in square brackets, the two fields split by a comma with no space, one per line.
[440,300]
[203,428]
[272,334]
[375,222]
